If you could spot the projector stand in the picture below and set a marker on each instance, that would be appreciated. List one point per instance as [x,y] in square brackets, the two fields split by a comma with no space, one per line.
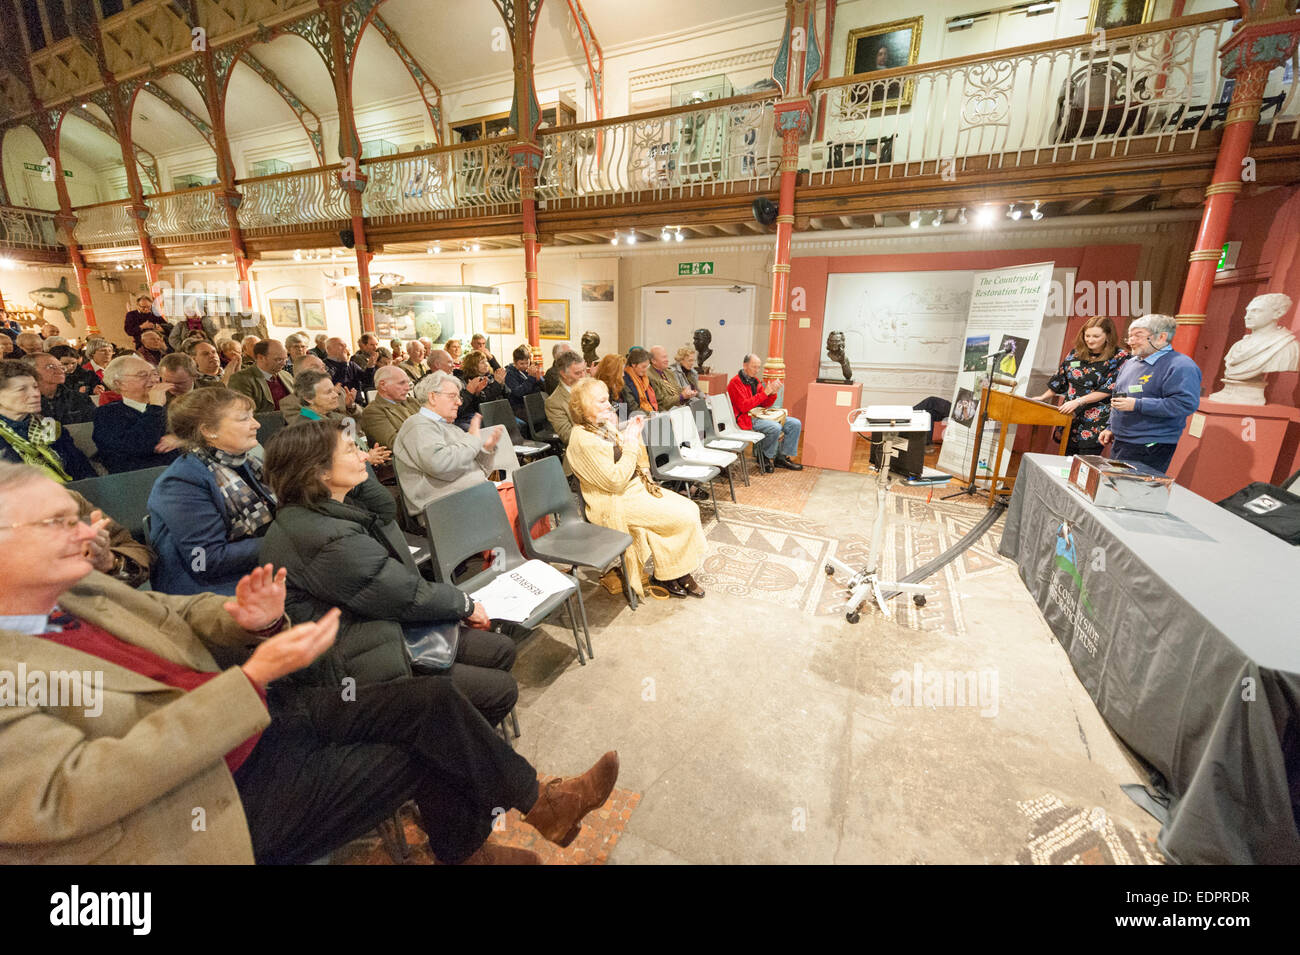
[867,582]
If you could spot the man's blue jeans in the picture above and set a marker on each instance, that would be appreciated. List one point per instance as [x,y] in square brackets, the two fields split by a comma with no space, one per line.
[787,437]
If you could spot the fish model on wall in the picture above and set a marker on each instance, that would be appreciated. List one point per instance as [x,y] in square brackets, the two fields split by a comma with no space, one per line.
[57,299]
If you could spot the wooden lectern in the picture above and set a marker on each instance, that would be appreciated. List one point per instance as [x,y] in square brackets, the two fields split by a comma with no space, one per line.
[1011,409]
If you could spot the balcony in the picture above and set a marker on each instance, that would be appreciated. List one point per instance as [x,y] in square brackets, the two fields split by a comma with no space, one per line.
[1066,120]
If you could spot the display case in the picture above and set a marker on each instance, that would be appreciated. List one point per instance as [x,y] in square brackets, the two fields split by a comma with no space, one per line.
[270,167]
[702,89]
[436,312]
[377,147]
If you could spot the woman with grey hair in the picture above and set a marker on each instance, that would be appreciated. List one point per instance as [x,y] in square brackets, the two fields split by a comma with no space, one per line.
[683,368]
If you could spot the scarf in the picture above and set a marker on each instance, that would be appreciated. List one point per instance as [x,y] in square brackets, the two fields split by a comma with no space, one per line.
[249,507]
[751,382]
[35,448]
[647,400]
[605,433]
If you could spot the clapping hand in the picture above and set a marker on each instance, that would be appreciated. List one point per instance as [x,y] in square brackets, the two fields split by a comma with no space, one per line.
[499,375]
[97,550]
[772,387]
[378,455]
[292,650]
[632,430]
[259,598]
[494,437]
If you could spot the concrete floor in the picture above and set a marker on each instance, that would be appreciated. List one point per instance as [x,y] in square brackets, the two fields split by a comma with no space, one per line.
[768,735]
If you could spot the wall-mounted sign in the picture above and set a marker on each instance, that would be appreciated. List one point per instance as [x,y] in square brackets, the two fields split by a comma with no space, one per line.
[37,167]
[694,268]
[1228,260]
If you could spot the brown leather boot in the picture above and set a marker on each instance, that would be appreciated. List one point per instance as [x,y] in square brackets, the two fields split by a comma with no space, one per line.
[490,853]
[561,803]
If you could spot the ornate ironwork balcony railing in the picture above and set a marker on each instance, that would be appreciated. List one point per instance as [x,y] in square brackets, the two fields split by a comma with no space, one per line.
[288,201]
[195,214]
[686,151]
[1051,102]
[470,179]
[105,225]
[22,228]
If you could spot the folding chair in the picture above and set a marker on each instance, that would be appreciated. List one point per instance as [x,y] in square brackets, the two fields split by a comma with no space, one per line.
[500,412]
[82,436]
[454,542]
[542,491]
[666,464]
[692,449]
[269,425]
[539,428]
[724,420]
[123,497]
[709,432]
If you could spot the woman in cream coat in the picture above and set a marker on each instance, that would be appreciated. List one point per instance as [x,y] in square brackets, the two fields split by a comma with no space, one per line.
[613,471]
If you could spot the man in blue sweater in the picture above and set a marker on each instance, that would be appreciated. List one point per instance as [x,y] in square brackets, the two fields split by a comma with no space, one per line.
[131,434]
[1154,393]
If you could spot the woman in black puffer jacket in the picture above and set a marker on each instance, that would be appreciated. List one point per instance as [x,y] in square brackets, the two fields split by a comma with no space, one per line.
[341,556]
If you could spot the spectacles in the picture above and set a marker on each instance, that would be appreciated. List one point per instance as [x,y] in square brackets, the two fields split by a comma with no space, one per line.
[68,523]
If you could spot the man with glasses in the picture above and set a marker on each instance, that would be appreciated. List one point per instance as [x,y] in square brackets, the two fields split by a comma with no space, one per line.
[131,434]
[435,458]
[59,400]
[297,345]
[1154,393]
[265,380]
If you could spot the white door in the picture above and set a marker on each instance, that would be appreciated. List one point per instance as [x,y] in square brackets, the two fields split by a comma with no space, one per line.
[669,317]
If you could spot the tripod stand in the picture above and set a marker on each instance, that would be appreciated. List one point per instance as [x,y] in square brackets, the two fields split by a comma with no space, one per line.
[868,581]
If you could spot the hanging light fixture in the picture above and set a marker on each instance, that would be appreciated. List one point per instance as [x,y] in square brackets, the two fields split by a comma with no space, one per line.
[1014,212]
[985,216]
[961,217]
[680,237]
[938,218]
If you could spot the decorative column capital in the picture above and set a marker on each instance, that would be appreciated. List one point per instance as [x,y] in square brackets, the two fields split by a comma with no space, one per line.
[1261,43]
[794,115]
[526,155]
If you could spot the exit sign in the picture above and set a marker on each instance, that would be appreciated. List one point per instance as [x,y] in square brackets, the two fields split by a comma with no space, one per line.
[37,167]
[1228,260]
[694,268]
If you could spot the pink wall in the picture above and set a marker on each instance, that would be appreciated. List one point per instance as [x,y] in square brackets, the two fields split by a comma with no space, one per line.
[803,349]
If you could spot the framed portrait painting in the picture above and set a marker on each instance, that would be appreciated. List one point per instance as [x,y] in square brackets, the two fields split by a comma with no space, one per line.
[1113,14]
[885,46]
[498,319]
[313,314]
[284,313]
[553,317]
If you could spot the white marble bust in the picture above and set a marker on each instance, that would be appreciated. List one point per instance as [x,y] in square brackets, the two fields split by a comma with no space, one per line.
[1266,348]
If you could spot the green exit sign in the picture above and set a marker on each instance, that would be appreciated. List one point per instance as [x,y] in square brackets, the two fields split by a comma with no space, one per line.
[694,268]
[1228,260]
[37,167]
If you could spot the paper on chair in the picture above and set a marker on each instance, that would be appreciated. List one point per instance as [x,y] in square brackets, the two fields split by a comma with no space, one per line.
[516,594]
[687,472]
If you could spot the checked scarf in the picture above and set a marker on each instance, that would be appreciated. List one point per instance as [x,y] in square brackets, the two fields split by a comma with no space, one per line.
[249,507]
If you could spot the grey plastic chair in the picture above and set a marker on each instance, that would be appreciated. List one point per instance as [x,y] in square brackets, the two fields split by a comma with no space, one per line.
[666,464]
[123,497]
[708,429]
[500,412]
[482,526]
[542,491]
[268,425]
[539,428]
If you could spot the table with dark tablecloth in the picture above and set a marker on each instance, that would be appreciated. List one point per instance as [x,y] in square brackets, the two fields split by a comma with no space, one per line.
[1184,628]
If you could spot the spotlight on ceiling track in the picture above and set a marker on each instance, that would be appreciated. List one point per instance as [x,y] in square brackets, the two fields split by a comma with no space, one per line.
[1014,212]
[1035,213]
[680,237]
[665,235]
[475,247]
[985,216]
[297,255]
[961,217]
[914,220]
[614,241]
[631,238]
[938,218]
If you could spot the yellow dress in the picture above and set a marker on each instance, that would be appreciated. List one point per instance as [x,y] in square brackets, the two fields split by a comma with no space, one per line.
[666,528]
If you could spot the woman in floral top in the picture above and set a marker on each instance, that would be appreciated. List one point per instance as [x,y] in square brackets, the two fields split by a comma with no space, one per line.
[1086,378]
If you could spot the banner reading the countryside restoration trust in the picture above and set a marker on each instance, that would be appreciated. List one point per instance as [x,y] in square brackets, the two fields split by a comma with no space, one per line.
[1003,327]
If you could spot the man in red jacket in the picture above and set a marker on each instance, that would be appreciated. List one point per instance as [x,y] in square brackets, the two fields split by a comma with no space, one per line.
[747,392]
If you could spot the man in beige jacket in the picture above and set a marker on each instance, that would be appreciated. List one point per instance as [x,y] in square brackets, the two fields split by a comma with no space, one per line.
[122,740]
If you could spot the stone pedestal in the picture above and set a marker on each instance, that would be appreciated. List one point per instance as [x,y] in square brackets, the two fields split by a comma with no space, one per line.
[1224,447]
[713,384]
[827,440]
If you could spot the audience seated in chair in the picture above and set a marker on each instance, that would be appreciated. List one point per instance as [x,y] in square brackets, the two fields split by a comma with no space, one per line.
[131,434]
[609,370]
[638,394]
[667,387]
[748,393]
[210,509]
[435,458]
[552,376]
[612,470]
[59,400]
[523,378]
[338,554]
[285,774]
[480,384]
[264,379]
[30,438]
[570,369]
[393,404]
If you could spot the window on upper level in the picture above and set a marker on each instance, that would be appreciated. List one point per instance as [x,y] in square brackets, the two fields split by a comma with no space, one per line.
[31,14]
[56,18]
